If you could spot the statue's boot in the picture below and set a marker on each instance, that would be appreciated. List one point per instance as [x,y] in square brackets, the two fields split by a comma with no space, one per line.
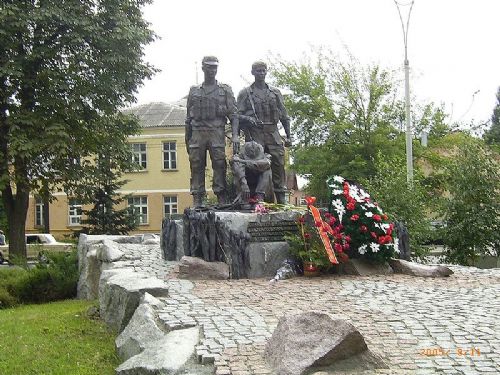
[221,198]
[260,197]
[198,200]
[280,198]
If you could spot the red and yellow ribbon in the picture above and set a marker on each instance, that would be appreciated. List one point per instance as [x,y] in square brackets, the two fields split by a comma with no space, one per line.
[323,230]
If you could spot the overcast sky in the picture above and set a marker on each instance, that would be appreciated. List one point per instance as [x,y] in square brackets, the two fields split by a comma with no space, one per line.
[453,45]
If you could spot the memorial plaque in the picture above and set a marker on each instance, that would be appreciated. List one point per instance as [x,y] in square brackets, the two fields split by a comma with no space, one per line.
[270,231]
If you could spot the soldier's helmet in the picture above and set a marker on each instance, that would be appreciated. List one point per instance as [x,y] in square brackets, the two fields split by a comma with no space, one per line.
[210,60]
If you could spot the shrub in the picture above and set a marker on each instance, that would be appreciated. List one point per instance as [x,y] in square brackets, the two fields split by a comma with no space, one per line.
[472,210]
[402,202]
[9,276]
[6,299]
[52,280]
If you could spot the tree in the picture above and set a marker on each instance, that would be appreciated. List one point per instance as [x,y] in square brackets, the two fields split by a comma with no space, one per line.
[66,66]
[4,225]
[472,208]
[343,114]
[407,204]
[492,136]
[101,190]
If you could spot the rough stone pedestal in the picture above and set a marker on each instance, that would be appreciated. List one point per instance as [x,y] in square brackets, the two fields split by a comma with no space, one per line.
[224,236]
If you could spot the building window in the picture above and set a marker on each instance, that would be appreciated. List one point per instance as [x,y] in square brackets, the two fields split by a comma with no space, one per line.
[74,212]
[169,155]
[39,213]
[139,206]
[139,155]
[169,205]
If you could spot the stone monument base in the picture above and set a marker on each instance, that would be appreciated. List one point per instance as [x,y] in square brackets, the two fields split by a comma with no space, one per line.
[251,244]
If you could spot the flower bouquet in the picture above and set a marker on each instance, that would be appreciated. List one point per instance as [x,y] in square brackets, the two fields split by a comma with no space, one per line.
[366,230]
[316,243]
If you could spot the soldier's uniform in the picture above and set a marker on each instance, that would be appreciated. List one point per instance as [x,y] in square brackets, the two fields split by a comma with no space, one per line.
[268,108]
[252,172]
[208,110]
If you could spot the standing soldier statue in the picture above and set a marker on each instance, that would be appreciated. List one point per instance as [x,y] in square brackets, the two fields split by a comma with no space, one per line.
[209,107]
[260,107]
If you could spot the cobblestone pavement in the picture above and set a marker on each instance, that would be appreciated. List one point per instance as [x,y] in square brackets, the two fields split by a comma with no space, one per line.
[418,325]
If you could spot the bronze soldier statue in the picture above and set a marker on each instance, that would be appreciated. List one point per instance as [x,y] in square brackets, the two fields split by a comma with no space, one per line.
[260,108]
[209,107]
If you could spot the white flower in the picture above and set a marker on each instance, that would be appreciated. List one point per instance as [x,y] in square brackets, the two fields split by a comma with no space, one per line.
[337,192]
[369,214]
[338,179]
[362,249]
[375,247]
[370,204]
[384,227]
[363,193]
[396,246]
[339,208]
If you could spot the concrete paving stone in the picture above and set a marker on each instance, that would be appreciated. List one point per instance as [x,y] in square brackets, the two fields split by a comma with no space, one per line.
[398,315]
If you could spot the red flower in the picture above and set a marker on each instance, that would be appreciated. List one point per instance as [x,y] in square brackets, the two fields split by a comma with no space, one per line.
[332,221]
[363,228]
[381,240]
[327,215]
[351,206]
[307,235]
[377,217]
[310,200]
[338,236]
[354,217]
[388,239]
[385,217]
[346,246]
[373,234]
[389,231]
[338,247]
[318,224]
[301,219]
[340,226]
[347,238]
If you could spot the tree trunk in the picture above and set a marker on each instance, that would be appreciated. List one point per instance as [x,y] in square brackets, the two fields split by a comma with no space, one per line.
[46,215]
[16,207]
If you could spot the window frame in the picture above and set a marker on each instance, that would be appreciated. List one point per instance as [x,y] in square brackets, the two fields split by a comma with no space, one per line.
[169,162]
[174,206]
[140,208]
[74,212]
[140,157]
[39,213]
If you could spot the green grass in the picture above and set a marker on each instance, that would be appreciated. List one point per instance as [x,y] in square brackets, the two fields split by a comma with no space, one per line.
[55,338]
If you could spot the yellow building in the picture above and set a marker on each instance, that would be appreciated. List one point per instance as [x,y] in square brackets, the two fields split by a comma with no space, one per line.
[159,189]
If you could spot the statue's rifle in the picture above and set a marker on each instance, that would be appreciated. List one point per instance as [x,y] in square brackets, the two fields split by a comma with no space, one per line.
[258,121]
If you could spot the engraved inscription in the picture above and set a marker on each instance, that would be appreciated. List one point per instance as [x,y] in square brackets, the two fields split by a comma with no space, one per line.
[270,231]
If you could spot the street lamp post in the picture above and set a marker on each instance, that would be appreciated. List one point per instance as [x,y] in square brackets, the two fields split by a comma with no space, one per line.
[409,148]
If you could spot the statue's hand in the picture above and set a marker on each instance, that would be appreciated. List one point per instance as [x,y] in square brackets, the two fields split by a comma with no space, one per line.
[252,121]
